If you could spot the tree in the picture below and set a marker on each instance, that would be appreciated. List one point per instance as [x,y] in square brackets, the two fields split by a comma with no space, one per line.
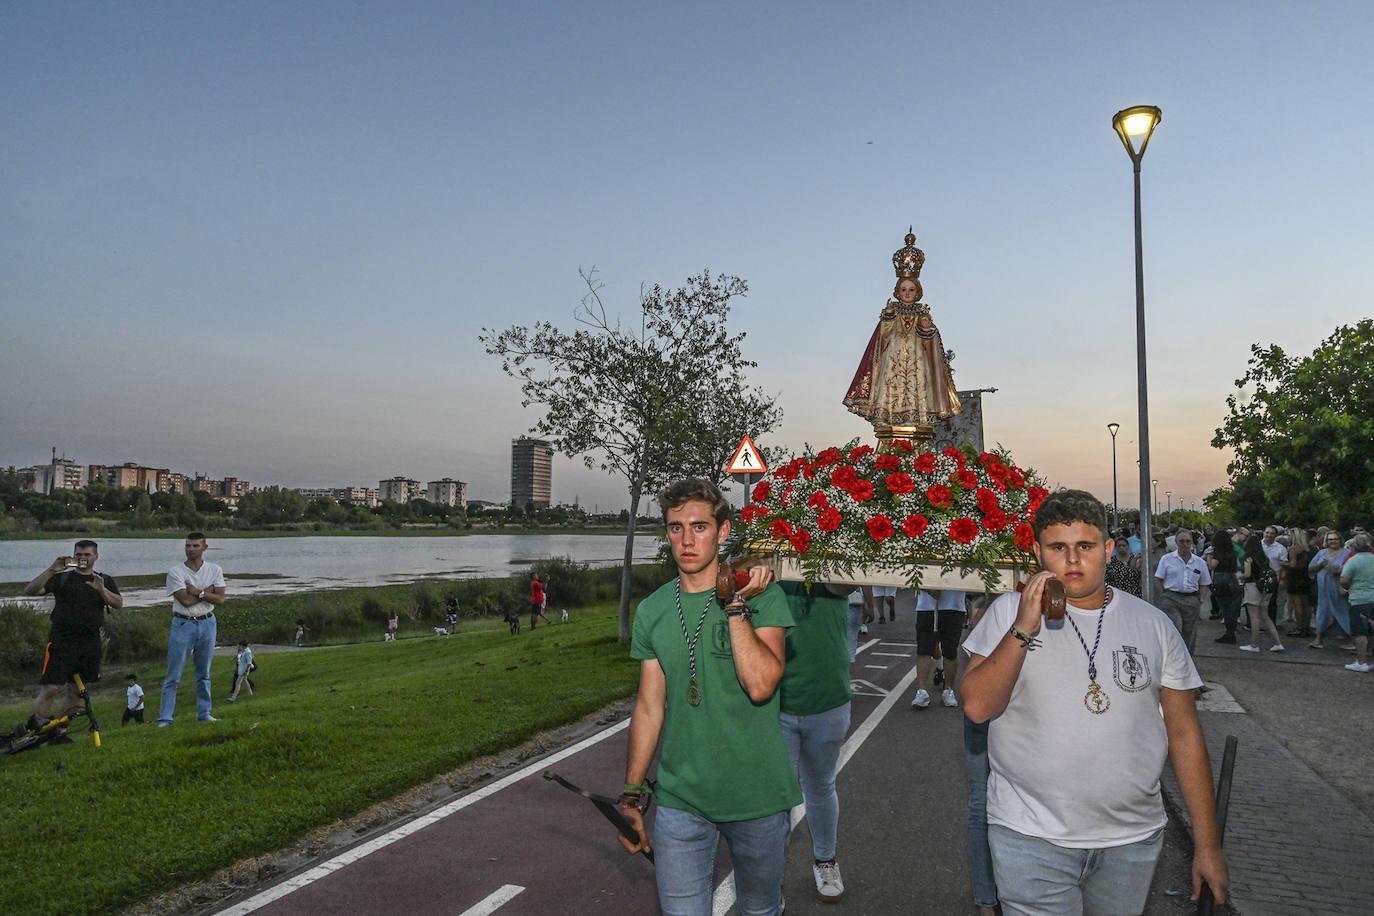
[271,506]
[651,404]
[1301,438]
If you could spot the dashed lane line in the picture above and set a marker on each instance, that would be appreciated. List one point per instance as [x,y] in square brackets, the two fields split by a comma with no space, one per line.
[497,899]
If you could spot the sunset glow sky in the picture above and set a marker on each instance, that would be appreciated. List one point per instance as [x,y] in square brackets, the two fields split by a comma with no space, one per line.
[261,239]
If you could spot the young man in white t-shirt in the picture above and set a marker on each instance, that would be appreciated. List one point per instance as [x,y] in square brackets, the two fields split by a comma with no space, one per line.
[1077,740]
[197,588]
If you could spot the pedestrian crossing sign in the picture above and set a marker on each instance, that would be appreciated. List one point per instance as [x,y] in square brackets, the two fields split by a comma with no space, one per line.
[747,459]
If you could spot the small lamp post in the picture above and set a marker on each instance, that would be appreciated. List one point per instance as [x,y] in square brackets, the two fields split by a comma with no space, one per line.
[1169,503]
[1135,126]
[1112,428]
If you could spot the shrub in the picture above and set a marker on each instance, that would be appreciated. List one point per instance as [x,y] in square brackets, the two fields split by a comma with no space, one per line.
[428,605]
[133,636]
[23,637]
[373,611]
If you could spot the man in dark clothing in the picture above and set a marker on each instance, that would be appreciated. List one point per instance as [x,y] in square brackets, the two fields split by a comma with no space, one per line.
[81,595]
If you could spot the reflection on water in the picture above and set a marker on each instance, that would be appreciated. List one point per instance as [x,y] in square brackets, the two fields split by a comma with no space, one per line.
[329,562]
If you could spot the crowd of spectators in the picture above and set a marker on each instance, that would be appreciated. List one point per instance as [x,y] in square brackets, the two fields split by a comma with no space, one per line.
[1296,580]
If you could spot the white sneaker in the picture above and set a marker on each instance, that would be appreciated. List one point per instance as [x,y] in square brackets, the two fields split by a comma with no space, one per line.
[1278,648]
[948,698]
[1362,668]
[922,699]
[829,884]
[208,719]
[863,629]
[1248,648]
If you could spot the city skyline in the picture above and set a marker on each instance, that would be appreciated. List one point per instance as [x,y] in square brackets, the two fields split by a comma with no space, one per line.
[264,240]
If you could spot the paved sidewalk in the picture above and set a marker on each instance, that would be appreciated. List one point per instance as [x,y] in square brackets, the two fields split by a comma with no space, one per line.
[1295,844]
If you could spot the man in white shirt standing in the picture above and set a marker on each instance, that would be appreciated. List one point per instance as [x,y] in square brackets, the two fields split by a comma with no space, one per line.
[1183,580]
[1082,718]
[196,586]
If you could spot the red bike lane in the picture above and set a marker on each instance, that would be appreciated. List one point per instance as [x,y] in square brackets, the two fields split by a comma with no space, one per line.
[523,844]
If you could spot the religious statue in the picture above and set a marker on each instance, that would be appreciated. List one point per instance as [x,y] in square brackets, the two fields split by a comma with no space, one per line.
[903,384]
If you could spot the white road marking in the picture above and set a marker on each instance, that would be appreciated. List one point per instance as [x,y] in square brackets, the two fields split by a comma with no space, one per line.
[894,654]
[494,901]
[329,866]
[879,667]
[724,897]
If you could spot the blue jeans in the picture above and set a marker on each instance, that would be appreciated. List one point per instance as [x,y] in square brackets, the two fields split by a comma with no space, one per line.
[813,743]
[1037,878]
[856,615]
[979,856]
[188,638]
[685,861]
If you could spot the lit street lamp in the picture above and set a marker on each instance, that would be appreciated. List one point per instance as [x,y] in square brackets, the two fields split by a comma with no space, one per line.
[1135,126]
[1112,428]
[1156,502]
[1169,505]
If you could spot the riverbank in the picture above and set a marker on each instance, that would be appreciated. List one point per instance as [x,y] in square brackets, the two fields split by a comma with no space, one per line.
[306,530]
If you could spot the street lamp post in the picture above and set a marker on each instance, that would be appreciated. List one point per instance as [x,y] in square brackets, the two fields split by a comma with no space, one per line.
[1155,483]
[1169,504]
[1112,428]
[1134,125]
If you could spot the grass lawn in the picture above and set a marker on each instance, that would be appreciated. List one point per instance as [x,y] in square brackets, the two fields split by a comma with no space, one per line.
[331,732]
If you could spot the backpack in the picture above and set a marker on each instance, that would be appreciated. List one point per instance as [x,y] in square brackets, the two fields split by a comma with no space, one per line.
[1267,580]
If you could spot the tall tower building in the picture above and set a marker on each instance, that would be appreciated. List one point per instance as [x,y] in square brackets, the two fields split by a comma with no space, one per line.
[531,472]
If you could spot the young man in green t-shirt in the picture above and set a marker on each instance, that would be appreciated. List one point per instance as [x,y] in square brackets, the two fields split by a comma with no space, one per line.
[708,684]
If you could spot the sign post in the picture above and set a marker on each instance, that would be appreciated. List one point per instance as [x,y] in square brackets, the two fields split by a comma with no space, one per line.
[746,467]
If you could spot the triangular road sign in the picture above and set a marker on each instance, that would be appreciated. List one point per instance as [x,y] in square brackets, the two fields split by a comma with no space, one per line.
[747,459]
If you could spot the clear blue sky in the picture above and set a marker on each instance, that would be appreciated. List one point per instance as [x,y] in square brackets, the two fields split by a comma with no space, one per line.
[260,239]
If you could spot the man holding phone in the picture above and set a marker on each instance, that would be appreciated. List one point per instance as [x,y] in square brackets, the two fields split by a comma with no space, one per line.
[80,597]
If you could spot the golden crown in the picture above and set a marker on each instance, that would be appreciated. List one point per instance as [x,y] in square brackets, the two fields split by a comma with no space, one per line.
[909,260]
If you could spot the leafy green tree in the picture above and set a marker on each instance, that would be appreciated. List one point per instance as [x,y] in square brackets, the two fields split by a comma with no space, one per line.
[271,506]
[1302,436]
[207,504]
[661,399]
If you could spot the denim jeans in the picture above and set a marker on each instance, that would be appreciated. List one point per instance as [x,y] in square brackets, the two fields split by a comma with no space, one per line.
[188,638]
[1037,878]
[979,856]
[856,616]
[813,743]
[685,861]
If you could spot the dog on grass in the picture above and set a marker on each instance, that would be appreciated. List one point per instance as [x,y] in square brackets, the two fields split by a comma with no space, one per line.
[389,637]
[514,620]
[565,615]
[440,631]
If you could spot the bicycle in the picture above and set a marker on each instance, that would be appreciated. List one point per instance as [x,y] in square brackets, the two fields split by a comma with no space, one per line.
[24,738]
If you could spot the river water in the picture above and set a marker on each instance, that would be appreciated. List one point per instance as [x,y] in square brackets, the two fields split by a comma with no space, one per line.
[329,562]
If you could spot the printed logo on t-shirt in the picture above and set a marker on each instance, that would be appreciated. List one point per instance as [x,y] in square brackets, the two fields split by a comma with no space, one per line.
[1130,669]
[720,639]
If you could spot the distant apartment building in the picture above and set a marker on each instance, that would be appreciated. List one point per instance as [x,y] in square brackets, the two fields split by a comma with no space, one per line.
[448,492]
[531,472]
[356,496]
[124,475]
[400,489]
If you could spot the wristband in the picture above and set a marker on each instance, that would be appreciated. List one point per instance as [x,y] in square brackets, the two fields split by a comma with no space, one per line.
[637,800]
[742,611]
[1027,639]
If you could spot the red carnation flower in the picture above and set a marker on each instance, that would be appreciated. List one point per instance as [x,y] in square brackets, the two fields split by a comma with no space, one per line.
[903,445]
[954,454]
[860,452]
[843,477]
[887,462]
[964,478]
[938,495]
[801,539]
[808,470]
[900,484]
[987,500]
[915,525]
[1015,478]
[861,490]
[995,520]
[786,497]
[780,529]
[761,491]
[880,528]
[830,456]
[986,458]
[1024,536]
[751,512]
[963,530]
[818,500]
[926,463]
[997,470]
[829,519]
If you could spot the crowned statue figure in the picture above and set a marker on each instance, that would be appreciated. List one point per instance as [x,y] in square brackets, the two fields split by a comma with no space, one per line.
[903,384]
